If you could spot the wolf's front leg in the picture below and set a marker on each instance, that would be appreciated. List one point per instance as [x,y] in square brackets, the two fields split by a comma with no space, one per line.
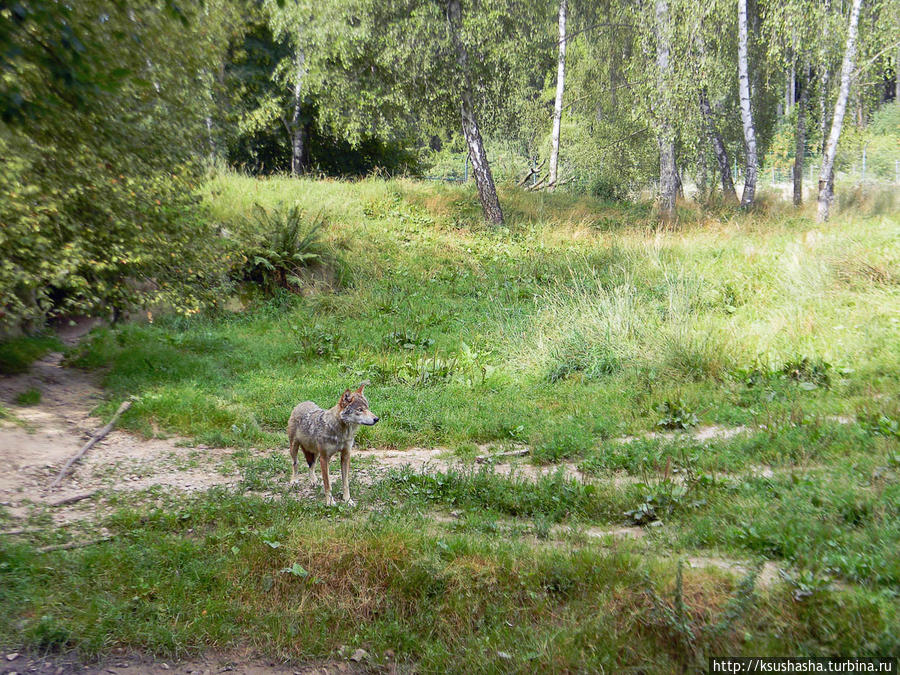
[326,483]
[345,476]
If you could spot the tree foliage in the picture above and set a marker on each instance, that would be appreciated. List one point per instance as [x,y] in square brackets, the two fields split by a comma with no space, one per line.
[97,169]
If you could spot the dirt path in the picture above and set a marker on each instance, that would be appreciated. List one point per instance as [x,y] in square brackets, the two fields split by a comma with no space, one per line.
[41,437]
[210,664]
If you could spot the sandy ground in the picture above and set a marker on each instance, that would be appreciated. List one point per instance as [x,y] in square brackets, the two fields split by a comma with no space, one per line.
[36,444]
[210,664]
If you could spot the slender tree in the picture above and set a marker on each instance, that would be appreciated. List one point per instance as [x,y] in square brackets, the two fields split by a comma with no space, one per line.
[668,174]
[560,88]
[800,137]
[826,175]
[719,149]
[297,126]
[484,180]
[752,161]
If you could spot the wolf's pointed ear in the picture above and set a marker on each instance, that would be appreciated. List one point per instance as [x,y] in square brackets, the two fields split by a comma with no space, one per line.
[362,384]
[345,399]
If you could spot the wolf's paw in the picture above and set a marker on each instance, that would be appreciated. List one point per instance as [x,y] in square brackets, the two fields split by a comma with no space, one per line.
[329,500]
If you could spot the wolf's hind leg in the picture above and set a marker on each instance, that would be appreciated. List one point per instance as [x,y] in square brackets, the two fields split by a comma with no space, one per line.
[311,463]
[295,446]
[323,461]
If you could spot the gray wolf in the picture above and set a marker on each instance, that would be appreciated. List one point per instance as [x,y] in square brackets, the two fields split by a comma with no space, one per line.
[323,433]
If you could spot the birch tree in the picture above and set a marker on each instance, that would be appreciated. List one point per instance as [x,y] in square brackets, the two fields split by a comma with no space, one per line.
[718,147]
[668,175]
[481,169]
[752,161]
[800,137]
[826,175]
[297,126]
[560,88]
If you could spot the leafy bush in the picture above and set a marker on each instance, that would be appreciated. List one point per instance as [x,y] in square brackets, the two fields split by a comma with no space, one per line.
[676,415]
[98,162]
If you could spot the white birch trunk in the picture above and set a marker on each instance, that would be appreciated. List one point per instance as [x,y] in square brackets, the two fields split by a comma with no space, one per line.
[560,88]
[826,175]
[297,128]
[752,164]
[668,176]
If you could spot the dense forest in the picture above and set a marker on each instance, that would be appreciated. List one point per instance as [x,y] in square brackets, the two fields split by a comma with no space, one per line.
[112,112]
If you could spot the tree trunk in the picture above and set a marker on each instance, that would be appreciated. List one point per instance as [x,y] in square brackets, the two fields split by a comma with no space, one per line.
[560,87]
[484,181]
[719,149]
[752,164]
[297,127]
[826,175]
[800,140]
[668,177]
[826,80]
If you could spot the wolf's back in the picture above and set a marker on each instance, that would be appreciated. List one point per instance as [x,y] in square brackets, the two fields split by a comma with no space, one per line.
[302,420]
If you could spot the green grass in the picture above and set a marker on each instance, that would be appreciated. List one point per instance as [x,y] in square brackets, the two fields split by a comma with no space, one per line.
[296,580]
[17,354]
[575,325]
[577,321]
[30,396]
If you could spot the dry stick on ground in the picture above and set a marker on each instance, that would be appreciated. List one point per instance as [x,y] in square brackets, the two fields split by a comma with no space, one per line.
[73,498]
[22,530]
[532,171]
[90,444]
[72,544]
[481,459]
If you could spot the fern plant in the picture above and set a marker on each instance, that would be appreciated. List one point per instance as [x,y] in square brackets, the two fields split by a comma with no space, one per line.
[285,241]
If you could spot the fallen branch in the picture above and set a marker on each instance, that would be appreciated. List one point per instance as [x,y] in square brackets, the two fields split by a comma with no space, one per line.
[481,459]
[74,498]
[21,530]
[539,184]
[73,544]
[90,444]
[531,172]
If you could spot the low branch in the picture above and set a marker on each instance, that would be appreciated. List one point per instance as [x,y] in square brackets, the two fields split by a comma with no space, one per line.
[858,71]
[625,138]
[90,444]
[72,544]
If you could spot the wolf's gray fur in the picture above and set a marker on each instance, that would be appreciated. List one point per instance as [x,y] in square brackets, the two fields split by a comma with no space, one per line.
[323,433]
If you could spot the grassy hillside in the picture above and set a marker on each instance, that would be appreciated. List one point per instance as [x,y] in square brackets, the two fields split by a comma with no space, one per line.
[575,326]
[579,316]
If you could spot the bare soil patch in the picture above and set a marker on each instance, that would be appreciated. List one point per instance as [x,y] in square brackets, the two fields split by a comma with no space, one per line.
[35,445]
[210,664]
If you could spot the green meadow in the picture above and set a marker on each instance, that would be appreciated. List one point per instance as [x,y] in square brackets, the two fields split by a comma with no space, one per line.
[581,331]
